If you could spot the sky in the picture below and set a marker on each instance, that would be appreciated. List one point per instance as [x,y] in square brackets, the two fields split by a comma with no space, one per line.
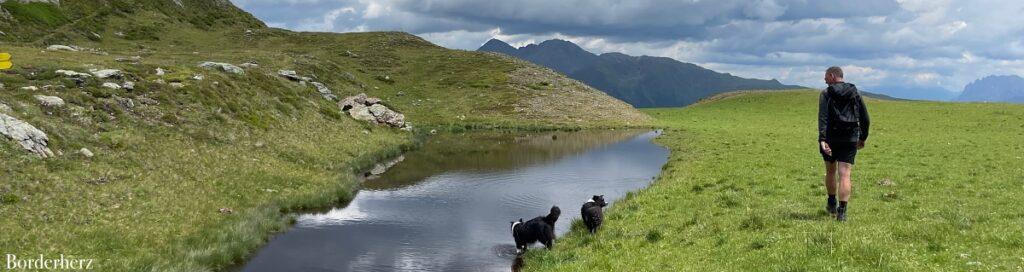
[924,49]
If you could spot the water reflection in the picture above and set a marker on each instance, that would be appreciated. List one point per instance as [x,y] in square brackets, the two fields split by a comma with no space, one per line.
[446,207]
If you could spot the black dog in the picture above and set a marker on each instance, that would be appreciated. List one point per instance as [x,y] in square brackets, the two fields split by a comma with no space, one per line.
[592,214]
[540,229]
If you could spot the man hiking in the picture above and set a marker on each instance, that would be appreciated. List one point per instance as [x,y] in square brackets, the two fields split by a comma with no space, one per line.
[843,124]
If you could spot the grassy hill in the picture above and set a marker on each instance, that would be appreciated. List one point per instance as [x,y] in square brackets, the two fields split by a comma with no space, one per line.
[195,178]
[743,191]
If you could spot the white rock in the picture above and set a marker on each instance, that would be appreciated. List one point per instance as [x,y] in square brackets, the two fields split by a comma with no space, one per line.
[292,75]
[5,108]
[30,88]
[85,152]
[378,110]
[198,77]
[106,73]
[49,101]
[226,67]
[111,85]
[128,85]
[177,85]
[28,136]
[57,47]
[69,73]
[160,71]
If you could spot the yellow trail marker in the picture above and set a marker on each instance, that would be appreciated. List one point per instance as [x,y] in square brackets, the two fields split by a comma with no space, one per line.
[5,61]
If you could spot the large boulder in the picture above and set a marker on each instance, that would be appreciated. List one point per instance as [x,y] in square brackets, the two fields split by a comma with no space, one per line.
[107,73]
[49,101]
[362,113]
[226,67]
[28,136]
[370,109]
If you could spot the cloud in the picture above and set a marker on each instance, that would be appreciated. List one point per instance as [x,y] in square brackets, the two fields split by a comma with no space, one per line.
[920,44]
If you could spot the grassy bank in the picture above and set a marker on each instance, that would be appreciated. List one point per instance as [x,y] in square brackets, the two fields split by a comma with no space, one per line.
[742,191]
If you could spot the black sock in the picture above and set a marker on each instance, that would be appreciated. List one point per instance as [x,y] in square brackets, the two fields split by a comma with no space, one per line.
[831,200]
[842,206]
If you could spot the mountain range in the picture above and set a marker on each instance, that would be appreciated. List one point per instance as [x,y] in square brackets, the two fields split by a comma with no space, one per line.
[643,81]
[1008,88]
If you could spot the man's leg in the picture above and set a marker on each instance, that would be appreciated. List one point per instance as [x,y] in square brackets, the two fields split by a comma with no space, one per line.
[830,186]
[845,188]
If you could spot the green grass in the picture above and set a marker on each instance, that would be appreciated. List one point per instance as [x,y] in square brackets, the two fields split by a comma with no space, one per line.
[743,191]
[46,14]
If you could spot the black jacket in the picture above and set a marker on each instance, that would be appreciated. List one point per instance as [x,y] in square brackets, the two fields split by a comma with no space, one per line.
[842,116]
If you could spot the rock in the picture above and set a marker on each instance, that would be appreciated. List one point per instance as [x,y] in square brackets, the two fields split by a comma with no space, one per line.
[400,93]
[225,210]
[886,182]
[249,65]
[433,131]
[4,108]
[372,101]
[177,85]
[111,85]
[160,81]
[378,169]
[57,47]
[160,71]
[107,73]
[324,91]
[128,85]
[148,101]
[293,76]
[362,113]
[85,152]
[30,88]
[50,101]
[226,67]
[119,34]
[1,86]
[126,103]
[133,59]
[352,101]
[198,77]
[69,73]
[28,136]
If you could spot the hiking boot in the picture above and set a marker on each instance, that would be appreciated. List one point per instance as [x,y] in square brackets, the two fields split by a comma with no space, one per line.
[831,207]
[841,215]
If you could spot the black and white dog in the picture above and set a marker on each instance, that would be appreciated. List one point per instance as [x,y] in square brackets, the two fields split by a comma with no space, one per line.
[540,229]
[592,213]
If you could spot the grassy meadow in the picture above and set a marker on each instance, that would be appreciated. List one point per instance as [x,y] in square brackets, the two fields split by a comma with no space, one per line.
[743,191]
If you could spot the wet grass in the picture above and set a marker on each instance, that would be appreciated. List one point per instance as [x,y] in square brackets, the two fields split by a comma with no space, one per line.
[742,191]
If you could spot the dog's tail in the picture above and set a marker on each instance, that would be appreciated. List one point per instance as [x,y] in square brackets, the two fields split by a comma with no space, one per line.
[553,216]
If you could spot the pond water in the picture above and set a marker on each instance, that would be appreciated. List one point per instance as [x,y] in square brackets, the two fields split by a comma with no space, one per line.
[447,206]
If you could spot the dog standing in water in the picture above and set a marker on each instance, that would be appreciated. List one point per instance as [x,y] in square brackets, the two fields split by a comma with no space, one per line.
[592,213]
[540,229]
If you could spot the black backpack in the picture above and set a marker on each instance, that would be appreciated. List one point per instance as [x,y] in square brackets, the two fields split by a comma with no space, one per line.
[845,113]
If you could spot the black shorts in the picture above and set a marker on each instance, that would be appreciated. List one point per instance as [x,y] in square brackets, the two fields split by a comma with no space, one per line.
[841,151]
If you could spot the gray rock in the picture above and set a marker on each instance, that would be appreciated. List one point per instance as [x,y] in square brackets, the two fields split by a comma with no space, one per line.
[293,76]
[249,65]
[85,152]
[57,47]
[362,113]
[198,77]
[5,108]
[226,67]
[372,101]
[177,85]
[69,73]
[50,101]
[28,136]
[111,85]
[148,101]
[128,85]
[378,110]
[324,91]
[133,59]
[30,88]
[160,71]
[107,73]
[126,103]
